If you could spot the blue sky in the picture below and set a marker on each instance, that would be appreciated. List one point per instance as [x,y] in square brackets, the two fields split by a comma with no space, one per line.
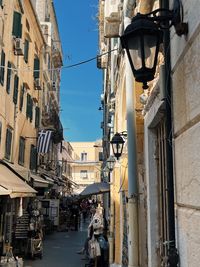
[81,86]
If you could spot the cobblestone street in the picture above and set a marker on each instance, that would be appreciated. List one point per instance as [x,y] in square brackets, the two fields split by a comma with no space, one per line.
[59,250]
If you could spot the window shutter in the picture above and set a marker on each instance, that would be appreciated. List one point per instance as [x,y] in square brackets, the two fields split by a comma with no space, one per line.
[37,117]
[31,109]
[9,73]
[28,106]
[33,158]
[15,93]
[21,151]
[21,98]
[36,73]
[8,143]
[17,26]
[26,48]
[1,3]
[2,67]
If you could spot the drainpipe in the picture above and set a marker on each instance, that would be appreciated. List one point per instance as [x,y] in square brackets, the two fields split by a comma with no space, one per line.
[173,258]
[112,210]
[133,236]
[133,242]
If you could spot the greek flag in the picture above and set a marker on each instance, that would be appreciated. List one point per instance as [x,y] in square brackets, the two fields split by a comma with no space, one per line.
[44,140]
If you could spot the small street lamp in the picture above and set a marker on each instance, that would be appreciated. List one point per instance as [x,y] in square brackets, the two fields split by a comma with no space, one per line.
[117,143]
[142,39]
[110,163]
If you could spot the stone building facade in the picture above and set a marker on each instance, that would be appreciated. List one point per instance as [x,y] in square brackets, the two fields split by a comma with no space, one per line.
[166,134]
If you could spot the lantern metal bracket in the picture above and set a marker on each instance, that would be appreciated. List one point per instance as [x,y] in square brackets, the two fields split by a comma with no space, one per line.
[166,18]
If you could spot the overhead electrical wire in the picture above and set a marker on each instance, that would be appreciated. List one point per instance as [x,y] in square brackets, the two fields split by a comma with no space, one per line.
[63,67]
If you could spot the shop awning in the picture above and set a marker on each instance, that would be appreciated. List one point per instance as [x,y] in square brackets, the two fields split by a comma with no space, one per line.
[49,179]
[11,181]
[38,181]
[4,191]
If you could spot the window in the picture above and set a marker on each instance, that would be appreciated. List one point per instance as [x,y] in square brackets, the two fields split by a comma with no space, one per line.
[33,158]
[36,73]
[83,156]
[8,143]
[26,49]
[83,174]
[21,151]
[9,73]
[21,100]
[2,67]
[29,107]
[37,117]
[15,92]
[17,26]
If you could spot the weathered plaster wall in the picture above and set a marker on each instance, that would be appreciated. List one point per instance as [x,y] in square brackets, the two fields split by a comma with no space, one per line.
[186,117]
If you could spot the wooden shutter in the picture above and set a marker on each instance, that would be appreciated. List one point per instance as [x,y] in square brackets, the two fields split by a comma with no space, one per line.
[28,106]
[36,73]
[33,158]
[2,67]
[9,73]
[21,150]
[21,101]
[37,117]
[15,93]
[26,49]
[8,143]
[31,110]
[1,3]
[17,26]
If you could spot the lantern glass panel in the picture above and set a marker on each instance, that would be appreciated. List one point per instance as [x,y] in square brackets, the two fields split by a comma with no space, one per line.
[150,43]
[134,51]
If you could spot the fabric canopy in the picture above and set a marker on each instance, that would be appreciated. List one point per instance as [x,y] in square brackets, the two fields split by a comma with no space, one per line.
[4,191]
[39,181]
[96,188]
[12,182]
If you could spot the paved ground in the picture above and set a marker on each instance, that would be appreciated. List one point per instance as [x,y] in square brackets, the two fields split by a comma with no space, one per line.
[60,250]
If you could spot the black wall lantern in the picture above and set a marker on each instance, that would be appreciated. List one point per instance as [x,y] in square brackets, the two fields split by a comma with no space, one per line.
[142,39]
[117,143]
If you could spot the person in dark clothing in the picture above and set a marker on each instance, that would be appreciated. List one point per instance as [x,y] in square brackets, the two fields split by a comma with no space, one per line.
[75,216]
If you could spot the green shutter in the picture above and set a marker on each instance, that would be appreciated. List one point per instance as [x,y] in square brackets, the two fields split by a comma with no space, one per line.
[8,143]
[21,98]
[1,3]
[33,158]
[26,48]
[17,26]
[2,67]
[31,109]
[37,117]
[36,73]
[9,73]
[15,93]
[21,151]
[28,106]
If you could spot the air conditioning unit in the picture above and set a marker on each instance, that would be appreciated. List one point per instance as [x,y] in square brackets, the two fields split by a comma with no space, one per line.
[18,46]
[112,10]
[37,84]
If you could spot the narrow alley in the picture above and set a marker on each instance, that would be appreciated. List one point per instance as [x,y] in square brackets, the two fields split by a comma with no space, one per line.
[60,249]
